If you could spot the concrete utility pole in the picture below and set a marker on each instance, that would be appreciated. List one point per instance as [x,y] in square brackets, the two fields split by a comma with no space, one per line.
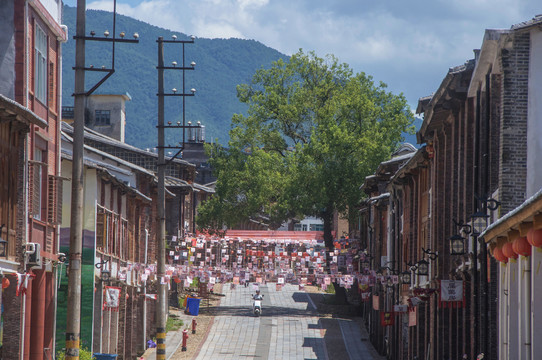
[73,324]
[161,309]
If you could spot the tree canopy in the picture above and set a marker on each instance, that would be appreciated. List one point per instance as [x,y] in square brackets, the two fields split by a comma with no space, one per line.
[314,130]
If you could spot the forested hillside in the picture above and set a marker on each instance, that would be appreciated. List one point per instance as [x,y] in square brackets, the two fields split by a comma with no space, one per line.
[222,64]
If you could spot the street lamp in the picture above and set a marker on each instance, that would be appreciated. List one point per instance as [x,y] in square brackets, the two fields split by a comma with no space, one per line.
[406,277]
[423,267]
[389,282]
[106,275]
[457,245]
[479,222]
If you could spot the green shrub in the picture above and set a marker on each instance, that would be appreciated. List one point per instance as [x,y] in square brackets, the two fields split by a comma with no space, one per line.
[84,354]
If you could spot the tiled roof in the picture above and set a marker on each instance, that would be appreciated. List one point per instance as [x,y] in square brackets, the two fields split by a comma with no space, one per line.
[534,21]
[96,136]
[22,113]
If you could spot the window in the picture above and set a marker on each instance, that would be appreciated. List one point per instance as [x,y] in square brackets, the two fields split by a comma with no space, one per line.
[40,76]
[317,227]
[102,117]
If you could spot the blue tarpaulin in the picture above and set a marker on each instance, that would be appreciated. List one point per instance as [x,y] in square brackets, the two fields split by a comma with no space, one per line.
[99,356]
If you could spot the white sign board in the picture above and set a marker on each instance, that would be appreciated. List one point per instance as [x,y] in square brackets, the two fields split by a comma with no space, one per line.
[451,290]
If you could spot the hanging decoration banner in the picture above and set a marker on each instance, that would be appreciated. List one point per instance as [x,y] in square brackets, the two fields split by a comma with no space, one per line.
[386,318]
[451,290]
[111,298]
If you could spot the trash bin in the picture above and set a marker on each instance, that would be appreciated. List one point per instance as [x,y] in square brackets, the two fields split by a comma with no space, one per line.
[193,306]
[99,356]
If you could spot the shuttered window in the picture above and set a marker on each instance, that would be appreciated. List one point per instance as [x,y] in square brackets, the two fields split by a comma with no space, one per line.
[36,170]
[112,232]
[100,229]
[54,203]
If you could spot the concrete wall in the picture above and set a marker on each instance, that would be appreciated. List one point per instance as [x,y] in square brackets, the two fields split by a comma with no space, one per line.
[7,49]
[113,103]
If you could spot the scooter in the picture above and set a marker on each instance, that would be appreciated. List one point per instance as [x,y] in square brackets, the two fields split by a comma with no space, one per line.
[257,306]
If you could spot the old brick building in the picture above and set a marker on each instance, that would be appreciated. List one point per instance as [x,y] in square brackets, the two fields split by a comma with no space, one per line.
[118,248]
[479,162]
[30,68]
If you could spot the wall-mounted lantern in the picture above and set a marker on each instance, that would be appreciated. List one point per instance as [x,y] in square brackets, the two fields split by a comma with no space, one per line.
[457,245]
[406,277]
[423,267]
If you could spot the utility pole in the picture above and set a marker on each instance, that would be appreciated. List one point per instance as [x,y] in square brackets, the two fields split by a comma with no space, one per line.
[161,309]
[73,316]
[73,324]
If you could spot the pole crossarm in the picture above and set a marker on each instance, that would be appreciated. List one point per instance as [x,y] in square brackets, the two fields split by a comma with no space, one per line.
[175,68]
[107,39]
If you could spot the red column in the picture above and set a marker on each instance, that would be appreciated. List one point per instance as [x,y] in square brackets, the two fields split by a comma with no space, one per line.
[38,315]
[49,312]
[27,320]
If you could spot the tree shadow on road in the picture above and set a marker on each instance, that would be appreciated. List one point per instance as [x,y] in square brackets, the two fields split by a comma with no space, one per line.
[267,311]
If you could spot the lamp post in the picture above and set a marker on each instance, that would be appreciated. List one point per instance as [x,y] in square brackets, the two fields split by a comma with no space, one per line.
[480,220]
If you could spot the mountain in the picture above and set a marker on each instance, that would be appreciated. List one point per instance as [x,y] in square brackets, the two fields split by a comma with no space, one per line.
[221,64]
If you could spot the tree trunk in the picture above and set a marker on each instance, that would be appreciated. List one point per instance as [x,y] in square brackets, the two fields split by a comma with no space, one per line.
[327,216]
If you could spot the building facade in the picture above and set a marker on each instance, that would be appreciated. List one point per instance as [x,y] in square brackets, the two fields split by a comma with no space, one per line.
[468,200]
[30,75]
[119,246]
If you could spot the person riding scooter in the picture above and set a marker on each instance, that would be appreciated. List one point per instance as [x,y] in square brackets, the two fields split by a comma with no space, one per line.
[257,305]
[257,296]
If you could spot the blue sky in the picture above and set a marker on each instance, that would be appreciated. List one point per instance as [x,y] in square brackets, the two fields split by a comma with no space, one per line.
[409,45]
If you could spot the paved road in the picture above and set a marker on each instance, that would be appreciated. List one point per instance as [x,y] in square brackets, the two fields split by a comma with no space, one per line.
[288,328]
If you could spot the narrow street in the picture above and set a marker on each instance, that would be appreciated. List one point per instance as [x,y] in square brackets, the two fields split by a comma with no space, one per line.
[289,328]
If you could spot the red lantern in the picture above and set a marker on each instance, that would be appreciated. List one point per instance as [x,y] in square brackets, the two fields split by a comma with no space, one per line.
[499,256]
[177,280]
[5,282]
[508,251]
[521,246]
[534,237]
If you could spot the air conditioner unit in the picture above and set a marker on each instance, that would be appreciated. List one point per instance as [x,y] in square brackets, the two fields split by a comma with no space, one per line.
[33,254]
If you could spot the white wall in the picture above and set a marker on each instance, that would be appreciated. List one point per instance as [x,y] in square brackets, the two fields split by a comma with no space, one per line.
[513,311]
[53,7]
[536,298]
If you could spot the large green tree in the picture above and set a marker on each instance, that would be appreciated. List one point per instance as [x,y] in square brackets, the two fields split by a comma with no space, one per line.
[313,132]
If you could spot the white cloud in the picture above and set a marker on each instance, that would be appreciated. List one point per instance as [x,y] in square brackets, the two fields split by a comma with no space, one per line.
[394,40]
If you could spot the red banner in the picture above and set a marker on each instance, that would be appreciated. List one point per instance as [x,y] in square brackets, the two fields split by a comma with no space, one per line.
[376,302]
[412,316]
[386,318]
